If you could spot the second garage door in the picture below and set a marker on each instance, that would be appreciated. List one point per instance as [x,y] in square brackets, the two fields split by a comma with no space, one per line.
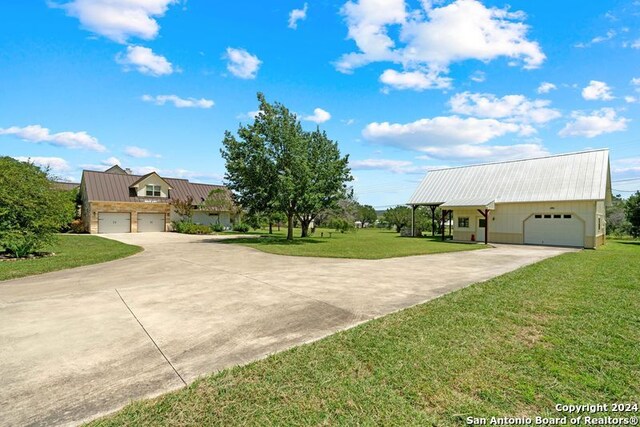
[114,222]
[554,230]
[148,222]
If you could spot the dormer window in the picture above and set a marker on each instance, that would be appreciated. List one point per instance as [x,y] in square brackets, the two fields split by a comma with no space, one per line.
[153,191]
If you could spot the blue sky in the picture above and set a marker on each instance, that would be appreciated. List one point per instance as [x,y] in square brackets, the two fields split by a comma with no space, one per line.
[403,86]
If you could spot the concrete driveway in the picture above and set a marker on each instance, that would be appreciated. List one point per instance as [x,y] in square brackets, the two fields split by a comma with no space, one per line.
[81,343]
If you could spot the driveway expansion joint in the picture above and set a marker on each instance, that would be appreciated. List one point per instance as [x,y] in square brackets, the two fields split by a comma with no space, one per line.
[151,338]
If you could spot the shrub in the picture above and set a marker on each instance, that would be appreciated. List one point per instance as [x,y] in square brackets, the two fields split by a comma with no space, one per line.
[241,227]
[217,227]
[32,211]
[76,226]
[187,227]
[342,225]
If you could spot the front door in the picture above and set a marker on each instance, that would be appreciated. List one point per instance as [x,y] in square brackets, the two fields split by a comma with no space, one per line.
[482,225]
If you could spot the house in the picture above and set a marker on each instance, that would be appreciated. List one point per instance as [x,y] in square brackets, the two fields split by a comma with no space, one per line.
[65,185]
[555,200]
[116,201]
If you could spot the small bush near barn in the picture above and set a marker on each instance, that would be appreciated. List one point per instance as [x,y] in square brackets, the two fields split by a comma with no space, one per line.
[241,227]
[186,227]
[218,228]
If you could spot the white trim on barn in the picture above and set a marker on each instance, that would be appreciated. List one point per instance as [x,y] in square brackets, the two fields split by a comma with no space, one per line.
[554,200]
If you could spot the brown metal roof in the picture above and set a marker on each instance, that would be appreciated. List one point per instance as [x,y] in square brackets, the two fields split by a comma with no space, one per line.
[66,186]
[114,187]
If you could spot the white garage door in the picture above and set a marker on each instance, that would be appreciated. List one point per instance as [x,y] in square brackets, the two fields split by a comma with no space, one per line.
[111,222]
[554,230]
[148,222]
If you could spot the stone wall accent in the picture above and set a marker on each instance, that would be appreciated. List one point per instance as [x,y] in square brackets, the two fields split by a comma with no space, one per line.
[91,213]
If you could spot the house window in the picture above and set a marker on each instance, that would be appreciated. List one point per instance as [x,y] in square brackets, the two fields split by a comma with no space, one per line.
[557,216]
[538,216]
[599,223]
[567,217]
[482,223]
[547,216]
[463,222]
[153,191]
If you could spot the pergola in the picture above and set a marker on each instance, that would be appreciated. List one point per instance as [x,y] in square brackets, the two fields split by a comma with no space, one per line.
[483,206]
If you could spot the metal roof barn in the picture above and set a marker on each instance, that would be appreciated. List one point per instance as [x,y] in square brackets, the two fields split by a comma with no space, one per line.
[564,177]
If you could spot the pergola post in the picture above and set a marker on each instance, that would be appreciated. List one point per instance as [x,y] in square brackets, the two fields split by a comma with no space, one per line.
[444,216]
[450,222]
[485,214]
[433,220]
[413,220]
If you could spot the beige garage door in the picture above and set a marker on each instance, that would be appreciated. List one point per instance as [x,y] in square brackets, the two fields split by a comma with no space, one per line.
[149,222]
[554,230]
[114,222]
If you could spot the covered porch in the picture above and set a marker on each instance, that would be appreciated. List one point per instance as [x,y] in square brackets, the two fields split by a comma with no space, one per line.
[482,206]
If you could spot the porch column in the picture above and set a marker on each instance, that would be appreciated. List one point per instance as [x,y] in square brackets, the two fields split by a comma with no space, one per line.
[413,220]
[485,214]
[433,220]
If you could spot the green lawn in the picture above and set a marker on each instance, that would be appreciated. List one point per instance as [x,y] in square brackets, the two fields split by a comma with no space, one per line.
[70,251]
[565,330]
[368,243]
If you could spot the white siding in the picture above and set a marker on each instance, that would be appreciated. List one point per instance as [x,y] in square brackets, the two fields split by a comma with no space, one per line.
[506,222]
[153,180]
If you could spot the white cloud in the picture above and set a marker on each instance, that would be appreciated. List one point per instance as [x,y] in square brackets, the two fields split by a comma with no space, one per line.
[348,122]
[432,38]
[248,115]
[179,102]
[111,161]
[37,133]
[242,64]
[138,152]
[598,39]
[415,80]
[597,90]
[395,166]
[297,15]
[478,76]
[546,87]
[467,152]
[635,81]
[319,116]
[630,99]
[178,173]
[604,120]
[121,19]
[145,61]
[438,131]
[513,108]
[56,164]
[629,164]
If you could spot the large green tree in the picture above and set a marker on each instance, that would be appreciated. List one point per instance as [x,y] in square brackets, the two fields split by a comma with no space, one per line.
[367,214]
[275,166]
[617,223]
[632,210]
[322,181]
[398,217]
[32,210]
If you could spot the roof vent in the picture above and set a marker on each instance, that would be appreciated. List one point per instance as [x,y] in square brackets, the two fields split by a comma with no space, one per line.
[128,171]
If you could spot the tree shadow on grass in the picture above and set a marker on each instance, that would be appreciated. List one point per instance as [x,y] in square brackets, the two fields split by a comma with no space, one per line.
[629,242]
[270,241]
